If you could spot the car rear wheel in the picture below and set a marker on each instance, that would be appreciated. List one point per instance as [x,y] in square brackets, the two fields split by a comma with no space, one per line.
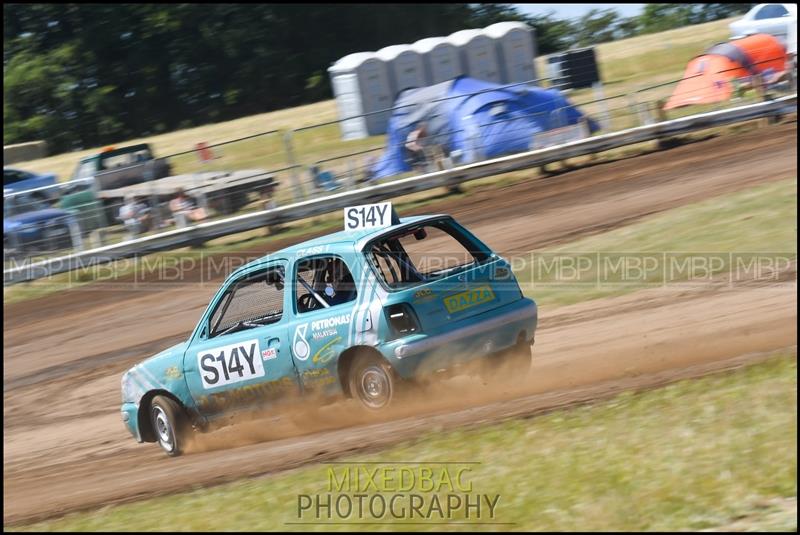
[170,425]
[373,382]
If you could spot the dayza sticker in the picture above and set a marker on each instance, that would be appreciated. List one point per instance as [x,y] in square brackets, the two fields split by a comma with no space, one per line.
[229,364]
[468,299]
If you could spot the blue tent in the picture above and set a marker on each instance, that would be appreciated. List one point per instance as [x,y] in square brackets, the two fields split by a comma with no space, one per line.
[473,120]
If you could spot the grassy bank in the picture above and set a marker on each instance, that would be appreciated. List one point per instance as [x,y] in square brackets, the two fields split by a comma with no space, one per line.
[756,220]
[713,453]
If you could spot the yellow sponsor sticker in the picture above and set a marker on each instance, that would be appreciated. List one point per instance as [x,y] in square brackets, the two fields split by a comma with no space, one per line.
[326,352]
[470,298]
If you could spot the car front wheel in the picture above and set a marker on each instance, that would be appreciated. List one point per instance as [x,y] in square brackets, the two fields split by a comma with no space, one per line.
[170,425]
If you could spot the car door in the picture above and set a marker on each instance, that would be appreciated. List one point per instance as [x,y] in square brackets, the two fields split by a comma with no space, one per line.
[324,296]
[239,357]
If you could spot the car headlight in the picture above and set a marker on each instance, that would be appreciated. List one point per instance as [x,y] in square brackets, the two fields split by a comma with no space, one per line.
[129,389]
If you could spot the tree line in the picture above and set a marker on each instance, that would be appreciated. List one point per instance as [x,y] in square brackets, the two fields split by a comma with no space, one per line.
[80,75]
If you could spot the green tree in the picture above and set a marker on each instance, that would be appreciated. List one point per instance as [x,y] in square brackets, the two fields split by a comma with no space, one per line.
[596,26]
[660,17]
[552,34]
[81,75]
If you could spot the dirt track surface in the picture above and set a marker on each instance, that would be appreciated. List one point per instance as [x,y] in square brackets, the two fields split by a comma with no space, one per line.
[65,445]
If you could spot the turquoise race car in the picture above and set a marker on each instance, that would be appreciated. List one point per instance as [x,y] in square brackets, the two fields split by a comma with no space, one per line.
[358,313]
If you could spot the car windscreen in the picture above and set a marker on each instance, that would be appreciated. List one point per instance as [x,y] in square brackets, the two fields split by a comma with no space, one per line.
[119,160]
[86,169]
[22,204]
[423,253]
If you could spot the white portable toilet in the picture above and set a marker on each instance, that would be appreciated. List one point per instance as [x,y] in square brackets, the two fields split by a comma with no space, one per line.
[516,50]
[405,66]
[478,55]
[361,86]
[441,59]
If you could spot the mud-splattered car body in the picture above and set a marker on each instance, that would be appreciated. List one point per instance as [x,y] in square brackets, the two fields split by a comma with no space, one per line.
[298,321]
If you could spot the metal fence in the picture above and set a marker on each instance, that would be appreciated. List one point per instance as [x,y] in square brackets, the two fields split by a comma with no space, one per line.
[281,167]
[204,231]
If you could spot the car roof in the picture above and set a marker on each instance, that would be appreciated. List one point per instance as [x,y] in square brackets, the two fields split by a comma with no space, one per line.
[337,242]
[791,8]
[115,152]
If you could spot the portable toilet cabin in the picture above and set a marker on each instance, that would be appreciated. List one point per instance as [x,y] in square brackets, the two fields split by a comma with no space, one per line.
[361,86]
[478,55]
[405,66]
[516,50]
[441,59]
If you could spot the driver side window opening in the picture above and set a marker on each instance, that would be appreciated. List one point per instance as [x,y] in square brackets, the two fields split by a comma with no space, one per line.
[253,301]
[323,282]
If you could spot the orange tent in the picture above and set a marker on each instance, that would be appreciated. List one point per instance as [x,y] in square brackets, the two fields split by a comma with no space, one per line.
[708,78]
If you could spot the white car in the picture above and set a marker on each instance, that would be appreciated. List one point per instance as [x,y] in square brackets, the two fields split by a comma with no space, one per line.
[774,19]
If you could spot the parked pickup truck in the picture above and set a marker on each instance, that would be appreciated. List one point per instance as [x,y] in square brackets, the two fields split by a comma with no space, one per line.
[117,173]
[116,168]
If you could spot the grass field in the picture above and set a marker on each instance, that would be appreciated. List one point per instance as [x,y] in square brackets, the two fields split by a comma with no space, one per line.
[713,453]
[750,221]
[625,66]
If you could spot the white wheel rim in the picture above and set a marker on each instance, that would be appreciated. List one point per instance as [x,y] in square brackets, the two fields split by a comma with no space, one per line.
[375,388]
[163,428]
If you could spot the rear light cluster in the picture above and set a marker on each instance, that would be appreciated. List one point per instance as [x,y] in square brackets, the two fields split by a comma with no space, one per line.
[402,319]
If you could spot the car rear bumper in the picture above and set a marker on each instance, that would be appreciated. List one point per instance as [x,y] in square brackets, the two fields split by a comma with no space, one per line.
[474,337]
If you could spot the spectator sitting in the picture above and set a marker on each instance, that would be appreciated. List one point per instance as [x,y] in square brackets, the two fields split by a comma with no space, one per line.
[135,215]
[268,198]
[369,173]
[183,209]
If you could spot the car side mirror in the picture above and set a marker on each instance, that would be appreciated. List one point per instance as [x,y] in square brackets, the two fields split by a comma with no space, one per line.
[204,332]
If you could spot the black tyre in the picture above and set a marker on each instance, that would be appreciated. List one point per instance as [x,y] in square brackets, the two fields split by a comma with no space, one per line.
[170,426]
[373,382]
